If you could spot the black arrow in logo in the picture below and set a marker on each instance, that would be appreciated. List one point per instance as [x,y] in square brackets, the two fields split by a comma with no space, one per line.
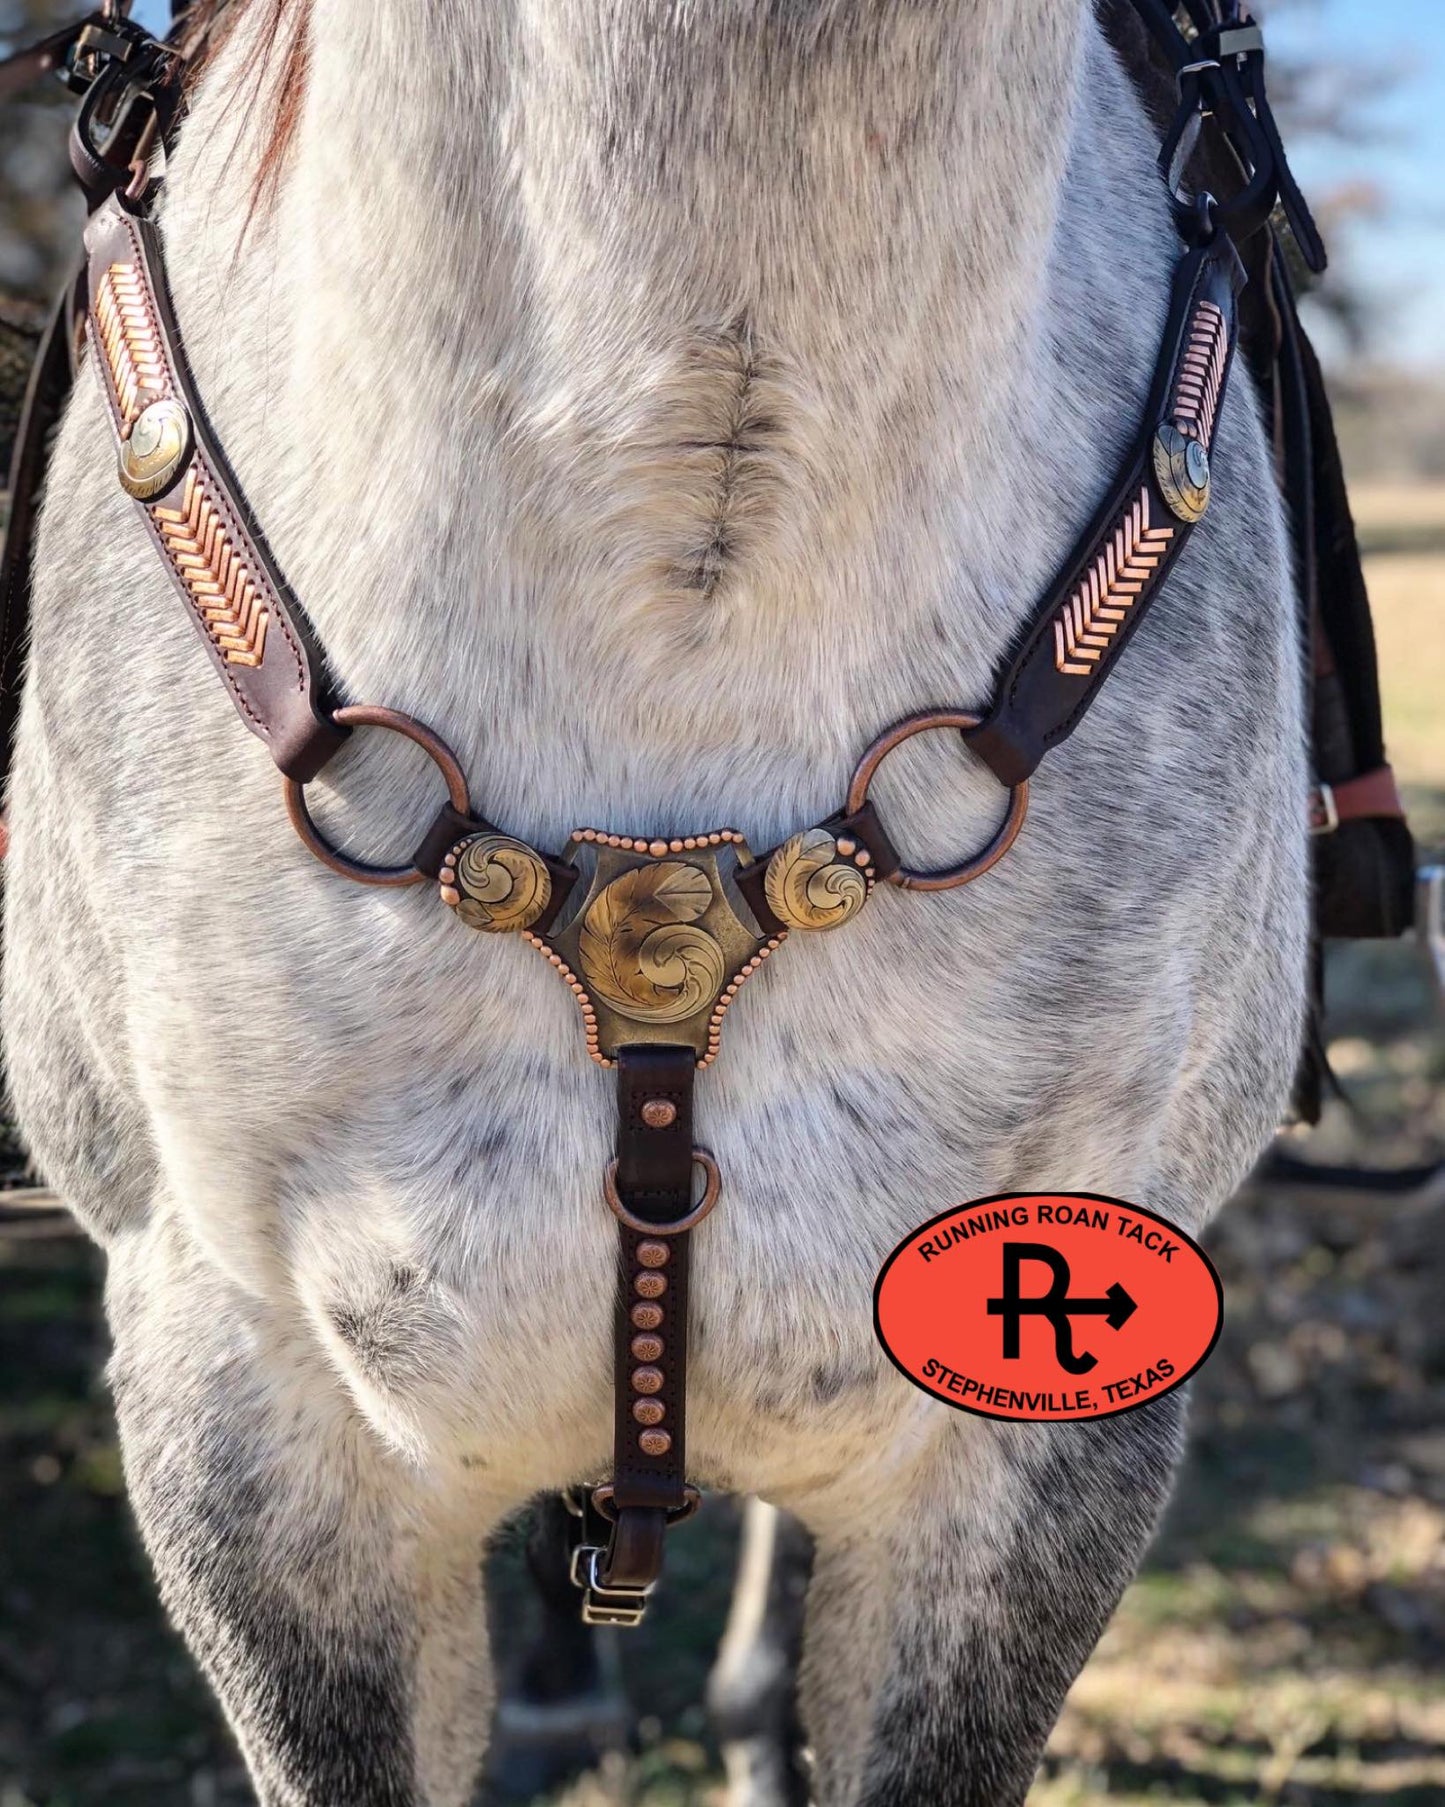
[1115,1308]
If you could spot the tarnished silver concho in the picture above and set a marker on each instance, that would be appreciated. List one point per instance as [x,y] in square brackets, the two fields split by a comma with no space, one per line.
[496,883]
[813,883]
[1181,465]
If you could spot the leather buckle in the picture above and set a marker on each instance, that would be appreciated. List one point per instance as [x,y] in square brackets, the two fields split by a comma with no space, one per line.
[622,1606]
[1324,814]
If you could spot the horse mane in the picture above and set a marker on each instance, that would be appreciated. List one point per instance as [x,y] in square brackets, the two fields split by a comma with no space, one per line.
[205,25]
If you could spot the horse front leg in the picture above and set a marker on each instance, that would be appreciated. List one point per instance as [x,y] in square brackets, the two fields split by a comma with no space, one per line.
[332,1595]
[950,1610]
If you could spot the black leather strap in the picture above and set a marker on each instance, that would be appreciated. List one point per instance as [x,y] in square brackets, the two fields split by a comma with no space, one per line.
[1220,75]
[50,383]
[1098,601]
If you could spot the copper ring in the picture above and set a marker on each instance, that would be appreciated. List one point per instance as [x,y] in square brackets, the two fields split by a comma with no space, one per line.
[603,1506]
[701,1158]
[867,768]
[369,715]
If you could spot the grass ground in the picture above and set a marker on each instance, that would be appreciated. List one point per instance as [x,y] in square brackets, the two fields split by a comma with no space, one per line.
[1284,1642]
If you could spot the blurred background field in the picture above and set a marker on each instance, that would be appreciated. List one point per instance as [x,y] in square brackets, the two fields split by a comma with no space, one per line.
[1286,1639]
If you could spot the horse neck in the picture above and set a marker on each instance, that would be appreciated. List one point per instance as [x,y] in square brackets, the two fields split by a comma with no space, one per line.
[683,327]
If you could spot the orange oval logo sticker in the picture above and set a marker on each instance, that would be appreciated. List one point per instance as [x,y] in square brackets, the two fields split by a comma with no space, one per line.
[1044,1307]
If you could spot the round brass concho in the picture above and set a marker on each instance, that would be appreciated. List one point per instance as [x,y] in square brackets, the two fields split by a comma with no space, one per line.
[1181,466]
[159,444]
[809,884]
[496,883]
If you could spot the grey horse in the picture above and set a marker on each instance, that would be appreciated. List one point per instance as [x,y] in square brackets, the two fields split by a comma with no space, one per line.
[658,399]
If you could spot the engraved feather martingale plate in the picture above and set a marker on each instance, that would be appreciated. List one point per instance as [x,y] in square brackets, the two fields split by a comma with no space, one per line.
[657,939]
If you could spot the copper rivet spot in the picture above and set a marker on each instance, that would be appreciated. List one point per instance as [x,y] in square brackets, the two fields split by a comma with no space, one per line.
[654,1443]
[647,1317]
[654,1254]
[649,1286]
[648,1411]
[647,1380]
[659,1113]
[647,1348]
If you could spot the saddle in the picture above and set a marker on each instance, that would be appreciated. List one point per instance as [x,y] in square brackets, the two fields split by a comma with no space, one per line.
[655,937]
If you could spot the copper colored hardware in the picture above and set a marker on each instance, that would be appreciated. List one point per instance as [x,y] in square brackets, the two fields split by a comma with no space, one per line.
[647,1348]
[654,1443]
[647,1317]
[711,1188]
[653,1254]
[648,1411]
[631,843]
[649,1286]
[730,992]
[647,1380]
[369,715]
[579,991]
[1085,626]
[970,869]
[602,1502]
[659,1113]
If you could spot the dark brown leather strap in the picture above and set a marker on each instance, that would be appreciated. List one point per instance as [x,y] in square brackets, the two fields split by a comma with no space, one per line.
[653,1178]
[248,620]
[1372,795]
[1099,600]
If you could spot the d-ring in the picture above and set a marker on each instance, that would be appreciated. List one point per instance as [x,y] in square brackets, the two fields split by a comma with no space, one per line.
[643,1226]
[368,715]
[602,1502]
[1007,834]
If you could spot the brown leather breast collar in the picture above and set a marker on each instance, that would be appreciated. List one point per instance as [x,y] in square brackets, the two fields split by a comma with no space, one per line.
[654,936]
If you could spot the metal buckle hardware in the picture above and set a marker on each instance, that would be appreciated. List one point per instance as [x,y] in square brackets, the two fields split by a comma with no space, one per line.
[1324,813]
[1430,918]
[103,43]
[1240,40]
[623,1606]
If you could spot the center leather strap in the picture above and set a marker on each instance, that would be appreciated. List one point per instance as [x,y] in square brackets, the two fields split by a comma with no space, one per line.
[653,1180]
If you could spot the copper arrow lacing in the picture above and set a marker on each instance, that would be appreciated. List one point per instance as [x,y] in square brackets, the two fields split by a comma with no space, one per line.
[1201,373]
[214,572]
[131,342]
[1086,625]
